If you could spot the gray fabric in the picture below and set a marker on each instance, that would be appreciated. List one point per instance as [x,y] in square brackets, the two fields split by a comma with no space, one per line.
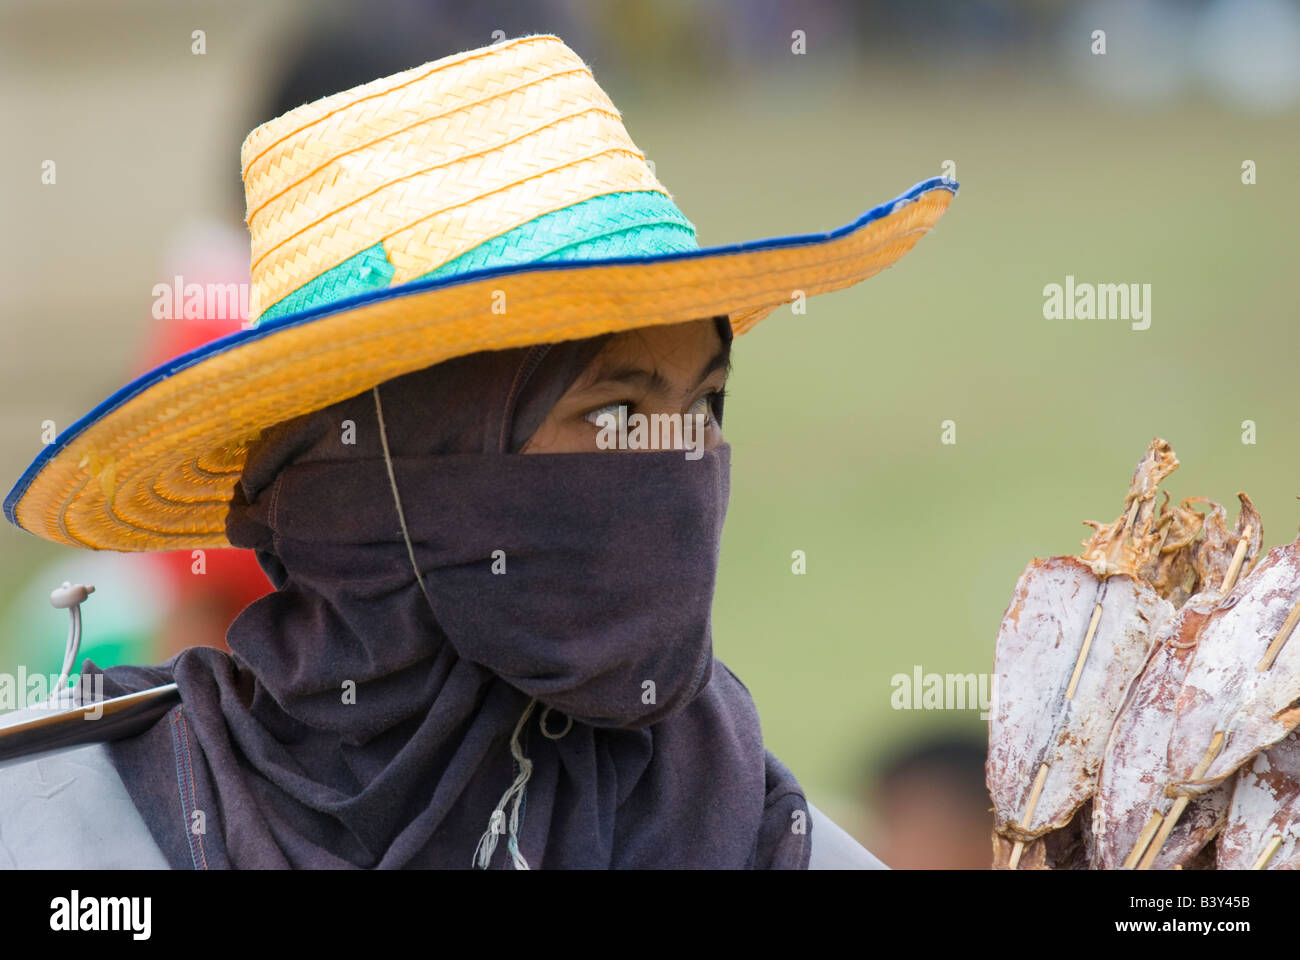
[834,849]
[68,809]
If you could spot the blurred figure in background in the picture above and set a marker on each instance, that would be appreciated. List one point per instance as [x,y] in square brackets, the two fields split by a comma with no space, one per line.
[930,807]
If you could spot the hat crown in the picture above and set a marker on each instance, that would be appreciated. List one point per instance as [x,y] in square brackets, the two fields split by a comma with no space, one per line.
[394,180]
[475,174]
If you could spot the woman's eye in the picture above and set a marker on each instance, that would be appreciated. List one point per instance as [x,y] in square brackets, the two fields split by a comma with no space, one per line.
[620,411]
[617,410]
[708,405]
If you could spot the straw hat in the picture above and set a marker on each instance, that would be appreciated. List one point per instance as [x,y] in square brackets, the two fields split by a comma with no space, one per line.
[487,200]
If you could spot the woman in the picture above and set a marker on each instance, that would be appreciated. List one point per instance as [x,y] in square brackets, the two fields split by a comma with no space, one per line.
[487,626]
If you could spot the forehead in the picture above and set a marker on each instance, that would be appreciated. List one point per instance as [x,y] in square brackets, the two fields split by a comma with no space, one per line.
[677,347]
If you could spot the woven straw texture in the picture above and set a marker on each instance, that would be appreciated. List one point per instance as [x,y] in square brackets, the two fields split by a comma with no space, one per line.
[454,153]
[403,177]
[640,224]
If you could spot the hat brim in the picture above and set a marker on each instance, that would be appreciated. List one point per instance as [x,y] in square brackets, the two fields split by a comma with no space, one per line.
[153,467]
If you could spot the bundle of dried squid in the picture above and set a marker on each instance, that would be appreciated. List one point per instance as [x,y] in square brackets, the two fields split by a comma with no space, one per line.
[1145,695]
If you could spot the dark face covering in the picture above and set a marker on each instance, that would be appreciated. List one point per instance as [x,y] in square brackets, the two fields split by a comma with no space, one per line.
[548,681]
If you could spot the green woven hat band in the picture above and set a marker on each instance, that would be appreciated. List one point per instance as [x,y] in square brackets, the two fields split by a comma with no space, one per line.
[640,223]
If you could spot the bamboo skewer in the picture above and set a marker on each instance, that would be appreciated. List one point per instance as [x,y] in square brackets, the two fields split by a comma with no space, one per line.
[1158,819]
[1083,652]
[1265,663]
[1019,848]
[1132,513]
[1144,838]
[1275,647]
[1176,811]
[1268,852]
[1032,803]
[1238,557]
[1157,826]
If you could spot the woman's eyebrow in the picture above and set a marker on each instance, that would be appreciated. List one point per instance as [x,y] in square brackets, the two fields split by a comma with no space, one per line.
[653,380]
[721,361]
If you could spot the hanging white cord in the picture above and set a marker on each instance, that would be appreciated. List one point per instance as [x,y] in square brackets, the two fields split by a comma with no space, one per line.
[488,842]
[69,597]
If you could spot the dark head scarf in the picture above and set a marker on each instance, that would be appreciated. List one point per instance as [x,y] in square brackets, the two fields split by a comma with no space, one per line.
[548,681]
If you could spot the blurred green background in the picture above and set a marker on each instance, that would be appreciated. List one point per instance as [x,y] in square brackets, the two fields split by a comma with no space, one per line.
[913,546]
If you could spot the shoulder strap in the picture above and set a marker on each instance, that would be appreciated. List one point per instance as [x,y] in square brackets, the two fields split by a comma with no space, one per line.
[47,727]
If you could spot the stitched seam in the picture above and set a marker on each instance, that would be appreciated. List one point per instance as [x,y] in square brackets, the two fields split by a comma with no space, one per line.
[198,837]
[180,785]
[525,369]
[195,839]
[273,512]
